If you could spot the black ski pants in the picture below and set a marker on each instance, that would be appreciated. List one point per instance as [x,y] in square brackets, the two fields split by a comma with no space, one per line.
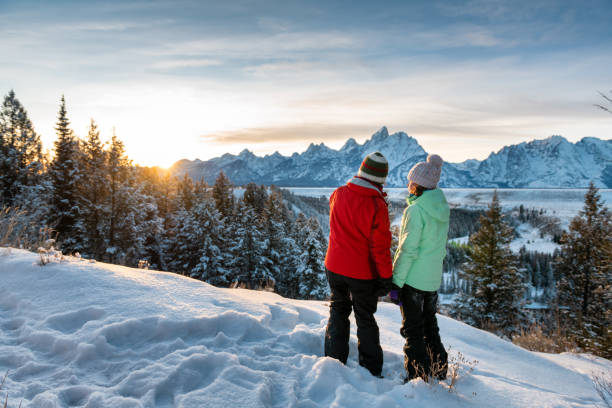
[360,296]
[424,352]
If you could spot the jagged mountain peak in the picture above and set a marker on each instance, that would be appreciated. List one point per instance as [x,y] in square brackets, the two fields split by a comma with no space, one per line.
[380,134]
[276,154]
[246,154]
[550,162]
[549,142]
[317,148]
[349,144]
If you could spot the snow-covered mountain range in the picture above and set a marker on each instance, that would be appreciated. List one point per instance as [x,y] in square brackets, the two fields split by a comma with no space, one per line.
[548,163]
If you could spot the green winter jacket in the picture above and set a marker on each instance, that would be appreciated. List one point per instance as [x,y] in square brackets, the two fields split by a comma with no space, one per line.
[422,242]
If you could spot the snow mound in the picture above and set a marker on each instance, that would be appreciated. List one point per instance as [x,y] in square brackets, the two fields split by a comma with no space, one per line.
[74,333]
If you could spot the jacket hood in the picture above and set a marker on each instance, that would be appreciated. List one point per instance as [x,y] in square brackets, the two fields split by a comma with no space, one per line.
[433,202]
[364,187]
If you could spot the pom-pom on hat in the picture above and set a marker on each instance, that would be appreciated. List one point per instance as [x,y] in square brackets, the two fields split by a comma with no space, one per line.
[427,174]
[374,168]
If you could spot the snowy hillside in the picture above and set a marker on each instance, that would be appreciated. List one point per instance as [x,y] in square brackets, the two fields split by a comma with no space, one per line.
[548,163]
[77,333]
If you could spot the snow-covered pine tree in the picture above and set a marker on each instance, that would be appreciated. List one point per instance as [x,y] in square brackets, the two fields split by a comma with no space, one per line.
[186,194]
[21,159]
[256,197]
[246,262]
[223,195]
[148,230]
[210,267]
[273,231]
[585,276]
[297,232]
[121,229]
[202,191]
[184,246]
[93,193]
[496,283]
[157,184]
[298,227]
[65,214]
[165,196]
[311,268]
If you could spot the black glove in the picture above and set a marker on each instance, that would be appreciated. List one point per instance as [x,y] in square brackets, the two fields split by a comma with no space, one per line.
[383,286]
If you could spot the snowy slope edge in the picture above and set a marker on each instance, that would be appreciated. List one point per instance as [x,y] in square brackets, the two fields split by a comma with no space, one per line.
[76,333]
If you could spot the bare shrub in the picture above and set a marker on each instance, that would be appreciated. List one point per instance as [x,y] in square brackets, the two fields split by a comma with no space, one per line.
[458,366]
[535,339]
[48,253]
[18,230]
[6,399]
[603,385]
[266,285]
[144,264]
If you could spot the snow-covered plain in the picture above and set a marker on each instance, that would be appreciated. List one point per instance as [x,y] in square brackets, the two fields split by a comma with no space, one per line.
[75,333]
[530,238]
[561,203]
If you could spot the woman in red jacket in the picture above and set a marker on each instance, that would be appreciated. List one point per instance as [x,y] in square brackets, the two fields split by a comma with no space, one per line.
[358,262]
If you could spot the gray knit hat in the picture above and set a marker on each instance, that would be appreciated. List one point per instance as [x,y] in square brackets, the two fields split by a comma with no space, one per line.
[374,168]
[427,174]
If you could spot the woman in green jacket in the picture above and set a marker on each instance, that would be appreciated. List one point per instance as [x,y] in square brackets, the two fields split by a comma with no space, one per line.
[417,270]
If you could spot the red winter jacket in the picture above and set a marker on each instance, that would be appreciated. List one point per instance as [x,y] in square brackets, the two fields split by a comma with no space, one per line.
[359,237]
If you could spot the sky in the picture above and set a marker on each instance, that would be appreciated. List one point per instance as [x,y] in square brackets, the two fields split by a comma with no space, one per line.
[196,79]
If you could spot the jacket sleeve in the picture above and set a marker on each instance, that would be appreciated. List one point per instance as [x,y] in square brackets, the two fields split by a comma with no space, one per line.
[380,240]
[408,246]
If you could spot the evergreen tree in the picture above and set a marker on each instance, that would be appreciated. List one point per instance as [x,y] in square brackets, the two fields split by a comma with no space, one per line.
[223,195]
[247,263]
[210,267]
[273,232]
[281,248]
[121,231]
[311,269]
[300,224]
[64,172]
[186,195]
[94,193]
[256,197]
[494,278]
[585,276]
[21,159]
[148,230]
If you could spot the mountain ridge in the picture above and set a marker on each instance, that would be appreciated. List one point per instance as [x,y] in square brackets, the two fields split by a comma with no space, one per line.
[552,162]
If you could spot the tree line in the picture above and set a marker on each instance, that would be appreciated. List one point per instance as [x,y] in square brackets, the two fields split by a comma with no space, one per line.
[101,206]
[495,279]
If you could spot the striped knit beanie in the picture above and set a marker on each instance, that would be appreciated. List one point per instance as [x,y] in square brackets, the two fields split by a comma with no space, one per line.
[427,174]
[374,168]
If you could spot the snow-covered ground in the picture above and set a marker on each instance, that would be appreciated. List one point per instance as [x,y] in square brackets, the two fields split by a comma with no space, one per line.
[75,333]
[530,238]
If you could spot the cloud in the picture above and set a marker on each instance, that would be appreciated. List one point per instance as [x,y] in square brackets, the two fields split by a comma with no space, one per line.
[96,26]
[186,63]
[301,132]
[257,45]
[458,36]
